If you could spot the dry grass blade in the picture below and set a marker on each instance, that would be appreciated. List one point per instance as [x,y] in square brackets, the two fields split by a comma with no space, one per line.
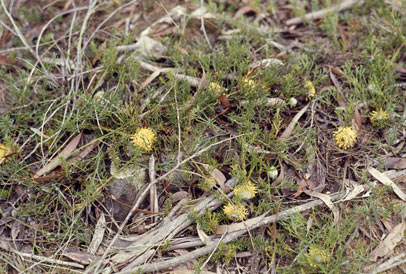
[288,131]
[56,161]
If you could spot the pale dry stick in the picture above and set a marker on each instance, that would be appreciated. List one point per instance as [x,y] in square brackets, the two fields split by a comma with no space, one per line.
[214,250]
[146,190]
[391,263]
[42,258]
[189,244]
[233,235]
[202,24]
[322,13]
[141,259]
[153,196]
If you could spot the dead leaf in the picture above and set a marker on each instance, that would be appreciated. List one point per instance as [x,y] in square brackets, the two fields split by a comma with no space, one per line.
[79,257]
[386,181]
[67,5]
[244,10]
[395,162]
[4,60]
[388,225]
[357,189]
[203,236]
[218,175]
[385,247]
[357,122]
[84,152]
[57,160]
[309,225]
[281,174]
[98,235]
[327,200]
[224,101]
[288,131]
[150,47]
[177,196]
[3,109]
[303,185]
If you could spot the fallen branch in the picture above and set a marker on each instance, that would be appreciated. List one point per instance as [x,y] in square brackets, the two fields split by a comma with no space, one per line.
[168,264]
[321,13]
[157,234]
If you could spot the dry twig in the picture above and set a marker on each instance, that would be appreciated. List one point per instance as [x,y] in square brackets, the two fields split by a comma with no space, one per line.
[321,13]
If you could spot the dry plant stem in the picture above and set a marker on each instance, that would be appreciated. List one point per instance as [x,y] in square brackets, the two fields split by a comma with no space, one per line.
[75,10]
[105,21]
[18,31]
[202,24]
[234,235]
[321,13]
[146,190]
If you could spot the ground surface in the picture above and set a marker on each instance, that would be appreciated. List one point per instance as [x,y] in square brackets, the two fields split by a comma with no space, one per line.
[202,136]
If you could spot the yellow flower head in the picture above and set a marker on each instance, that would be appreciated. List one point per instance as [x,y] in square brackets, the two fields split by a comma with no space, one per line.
[378,117]
[143,139]
[4,150]
[236,212]
[211,182]
[249,83]
[245,191]
[215,88]
[316,256]
[311,90]
[345,137]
